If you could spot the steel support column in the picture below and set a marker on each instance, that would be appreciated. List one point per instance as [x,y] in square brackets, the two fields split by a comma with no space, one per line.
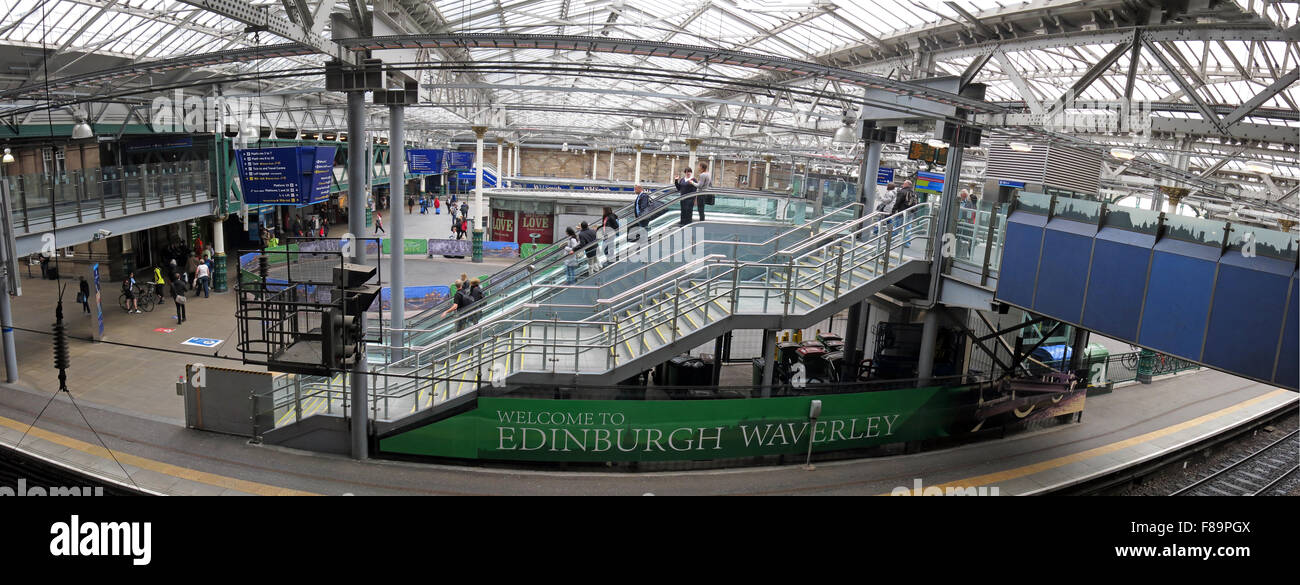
[636,172]
[769,361]
[929,337]
[477,224]
[397,194]
[357,163]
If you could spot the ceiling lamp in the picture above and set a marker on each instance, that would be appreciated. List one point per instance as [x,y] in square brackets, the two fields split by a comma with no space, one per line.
[637,136]
[1021,147]
[1259,166]
[666,146]
[82,130]
[844,135]
[564,147]
[8,157]
[1122,153]
[935,142]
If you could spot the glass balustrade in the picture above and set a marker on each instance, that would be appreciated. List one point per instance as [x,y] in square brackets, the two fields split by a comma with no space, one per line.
[99,193]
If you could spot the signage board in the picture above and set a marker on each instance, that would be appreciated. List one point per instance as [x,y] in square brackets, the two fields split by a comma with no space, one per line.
[458,161]
[884,175]
[929,182]
[503,225]
[295,175]
[424,161]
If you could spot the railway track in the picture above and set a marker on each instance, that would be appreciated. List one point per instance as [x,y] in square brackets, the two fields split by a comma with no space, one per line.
[1252,475]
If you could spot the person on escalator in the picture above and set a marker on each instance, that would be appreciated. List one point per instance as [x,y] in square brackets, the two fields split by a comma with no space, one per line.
[703,182]
[571,246]
[608,232]
[467,294]
[641,208]
[587,237]
[685,186]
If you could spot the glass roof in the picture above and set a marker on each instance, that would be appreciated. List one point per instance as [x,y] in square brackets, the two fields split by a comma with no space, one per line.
[605,90]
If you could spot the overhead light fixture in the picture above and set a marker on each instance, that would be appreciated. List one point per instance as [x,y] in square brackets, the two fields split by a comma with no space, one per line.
[1259,166]
[666,146]
[844,135]
[637,136]
[82,130]
[564,147]
[8,157]
[935,142]
[1021,147]
[1122,153]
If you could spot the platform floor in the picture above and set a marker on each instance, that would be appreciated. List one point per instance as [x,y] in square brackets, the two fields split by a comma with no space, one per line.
[144,381]
[1130,424]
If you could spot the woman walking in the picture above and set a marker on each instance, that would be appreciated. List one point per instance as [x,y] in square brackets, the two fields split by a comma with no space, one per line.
[178,295]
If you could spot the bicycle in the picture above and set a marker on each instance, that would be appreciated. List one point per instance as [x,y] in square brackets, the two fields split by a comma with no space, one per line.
[145,296]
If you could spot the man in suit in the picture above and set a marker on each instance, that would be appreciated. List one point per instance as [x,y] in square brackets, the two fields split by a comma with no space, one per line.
[685,186]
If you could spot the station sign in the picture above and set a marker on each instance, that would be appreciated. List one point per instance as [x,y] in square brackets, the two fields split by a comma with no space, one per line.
[929,182]
[457,160]
[294,175]
[424,161]
[884,175]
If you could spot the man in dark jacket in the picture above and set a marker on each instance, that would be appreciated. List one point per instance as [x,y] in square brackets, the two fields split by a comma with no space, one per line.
[642,208]
[685,186]
[585,237]
[905,199]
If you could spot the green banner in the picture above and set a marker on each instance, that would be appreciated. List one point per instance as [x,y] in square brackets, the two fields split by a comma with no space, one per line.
[616,430]
[409,246]
[281,258]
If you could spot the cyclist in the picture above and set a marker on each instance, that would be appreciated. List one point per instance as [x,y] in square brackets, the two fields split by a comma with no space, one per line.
[128,289]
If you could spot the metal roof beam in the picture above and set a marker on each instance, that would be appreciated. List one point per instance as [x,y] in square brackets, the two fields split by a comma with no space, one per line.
[1206,111]
[1253,103]
[1026,92]
[1091,75]
[261,17]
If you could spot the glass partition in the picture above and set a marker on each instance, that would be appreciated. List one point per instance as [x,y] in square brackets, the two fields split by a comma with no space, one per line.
[95,192]
[1132,219]
[1194,229]
[1036,203]
[1081,210]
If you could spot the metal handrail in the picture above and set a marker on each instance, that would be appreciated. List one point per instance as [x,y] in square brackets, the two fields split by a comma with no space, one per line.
[606,334]
[495,303]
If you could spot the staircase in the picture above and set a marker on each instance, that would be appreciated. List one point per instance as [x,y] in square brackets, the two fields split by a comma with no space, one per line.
[682,308]
[800,279]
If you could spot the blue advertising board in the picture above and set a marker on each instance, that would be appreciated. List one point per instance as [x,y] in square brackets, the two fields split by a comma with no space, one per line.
[1016,184]
[294,175]
[424,161]
[460,160]
[884,175]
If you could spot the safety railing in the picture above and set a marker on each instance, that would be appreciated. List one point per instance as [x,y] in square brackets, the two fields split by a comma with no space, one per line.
[98,193]
[667,306]
[544,285]
[546,271]
[709,288]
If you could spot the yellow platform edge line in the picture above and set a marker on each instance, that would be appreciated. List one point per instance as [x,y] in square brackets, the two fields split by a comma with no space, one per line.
[212,479]
[1064,460]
